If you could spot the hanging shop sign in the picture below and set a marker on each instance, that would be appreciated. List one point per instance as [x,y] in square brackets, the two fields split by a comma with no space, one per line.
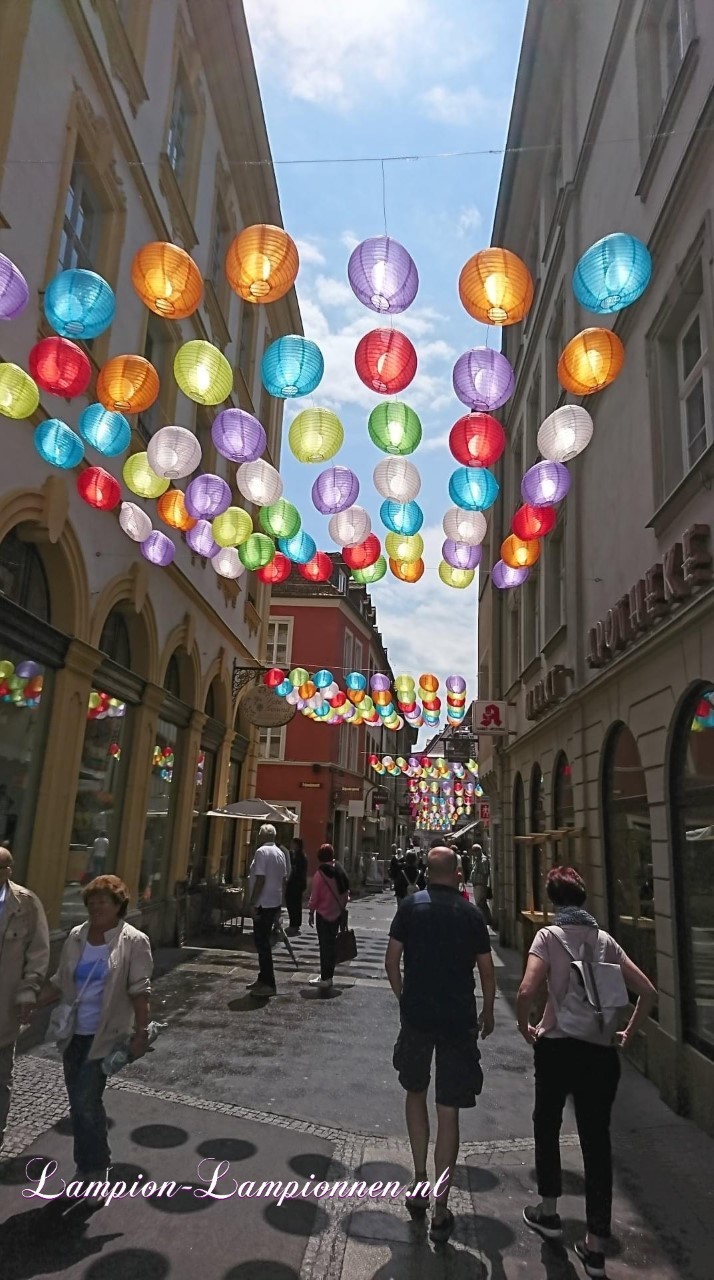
[264,710]
[547,692]
[484,812]
[489,717]
[683,571]
[355,808]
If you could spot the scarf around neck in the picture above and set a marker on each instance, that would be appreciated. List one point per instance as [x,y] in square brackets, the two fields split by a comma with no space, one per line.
[575,915]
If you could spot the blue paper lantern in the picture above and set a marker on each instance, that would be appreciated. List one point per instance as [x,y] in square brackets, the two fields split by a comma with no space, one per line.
[107,431]
[300,548]
[79,304]
[58,444]
[356,681]
[473,488]
[401,517]
[292,366]
[284,688]
[322,679]
[612,274]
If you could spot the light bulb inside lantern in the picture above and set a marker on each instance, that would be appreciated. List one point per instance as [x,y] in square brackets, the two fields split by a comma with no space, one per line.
[566,438]
[493,288]
[159,285]
[378,300]
[595,362]
[5,398]
[258,267]
[548,488]
[202,377]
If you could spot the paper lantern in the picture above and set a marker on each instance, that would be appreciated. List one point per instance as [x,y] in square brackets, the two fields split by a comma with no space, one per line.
[348,528]
[545,484]
[517,554]
[318,569]
[207,496]
[404,547]
[167,280]
[105,430]
[612,274]
[79,304]
[158,549]
[232,527]
[19,395]
[315,435]
[171,508]
[533,522]
[364,554]
[262,263]
[135,522]
[256,551]
[14,293]
[401,517]
[299,549]
[200,539]
[140,477]
[473,488]
[407,570]
[372,573]
[461,555]
[127,384]
[58,444]
[292,366]
[99,489]
[451,577]
[227,564]
[397,479]
[477,440]
[60,367]
[238,436]
[565,433]
[591,361]
[383,275]
[394,427]
[483,379]
[335,490]
[504,577]
[465,526]
[202,372]
[277,571]
[174,452]
[281,520]
[496,287]
[259,483]
[385,361]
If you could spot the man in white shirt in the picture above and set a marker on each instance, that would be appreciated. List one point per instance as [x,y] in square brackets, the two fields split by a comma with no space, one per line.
[267,877]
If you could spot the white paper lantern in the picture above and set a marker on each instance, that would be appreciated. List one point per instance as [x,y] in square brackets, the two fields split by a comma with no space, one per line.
[135,522]
[227,563]
[259,482]
[173,452]
[398,479]
[565,433]
[465,526]
[350,527]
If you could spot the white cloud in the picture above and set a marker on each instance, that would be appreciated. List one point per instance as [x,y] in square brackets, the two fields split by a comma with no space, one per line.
[469,219]
[309,253]
[434,444]
[332,292]
[456,106]
[349,240]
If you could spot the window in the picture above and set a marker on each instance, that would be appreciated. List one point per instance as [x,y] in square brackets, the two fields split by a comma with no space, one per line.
[80,238]
[178,141]
[357,656]
[203,801]
[246,341]
[156,853]
[693,387]
[172,679]
[219,247]
[555,344]
[537,825]
[663,38]
[158,349]
[279,638]
[531,620]
[349,652]
[22,576]
[533,421]
[628,850]
[272,744]
[514,626]
[563,799]
[519,855]
[554,563]
[114,639]
[517,467]
[341,581]
[552,174]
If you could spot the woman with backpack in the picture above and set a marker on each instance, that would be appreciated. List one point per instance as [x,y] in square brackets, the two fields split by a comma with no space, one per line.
[575,1050]
[328,902]
[409,879]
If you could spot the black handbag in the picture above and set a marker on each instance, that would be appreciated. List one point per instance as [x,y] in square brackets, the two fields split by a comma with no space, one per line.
[345,942]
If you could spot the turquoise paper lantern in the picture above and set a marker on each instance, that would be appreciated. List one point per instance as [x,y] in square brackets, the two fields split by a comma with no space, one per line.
[300,548]
[322,679]
[612,274]
[58,444]
[292,366]
[79,304]
[105,430]
[473,488]
[401,517]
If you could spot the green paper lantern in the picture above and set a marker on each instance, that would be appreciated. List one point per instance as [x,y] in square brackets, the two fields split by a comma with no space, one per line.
[257,551]
[407,548]
[281,519]
[316,435]
[232,527]
[394,427]
[372,573]
[19,396]
[202,372]
[140,477]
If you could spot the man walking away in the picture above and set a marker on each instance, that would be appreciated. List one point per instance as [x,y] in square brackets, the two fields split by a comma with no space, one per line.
[481,881]
[297,884]
[441,937]
[267,878]
[24,958]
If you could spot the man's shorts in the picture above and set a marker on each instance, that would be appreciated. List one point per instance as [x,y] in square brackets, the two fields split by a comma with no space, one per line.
[459,1078]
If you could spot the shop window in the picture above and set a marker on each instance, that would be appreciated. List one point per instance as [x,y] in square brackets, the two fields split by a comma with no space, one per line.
[227,870]
[203,801]
[279,642]
[156,853]
[537,825]
[115,641]
[563,799]
[628,850]
[692,801]
[519,829]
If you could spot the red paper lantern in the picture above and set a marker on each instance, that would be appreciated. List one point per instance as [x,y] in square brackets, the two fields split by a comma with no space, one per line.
[703,710]
[477,440]
[385,360]
[364,554]
[277,571]
[273,677]
[319,569]
[533,522]
[60,366]
[98,488]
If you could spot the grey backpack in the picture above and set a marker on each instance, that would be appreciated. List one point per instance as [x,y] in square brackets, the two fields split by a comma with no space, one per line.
[590,1009]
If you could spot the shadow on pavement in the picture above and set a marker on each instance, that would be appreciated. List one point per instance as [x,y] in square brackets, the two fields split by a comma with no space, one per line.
[297,1218]
[226,1149]
[556,1263]
[159,1136]
[14,1171]
[317,1165]
[52,1238]
[262,1269]
[310,993]
[468,1177]
[248,1004]
[139,1264]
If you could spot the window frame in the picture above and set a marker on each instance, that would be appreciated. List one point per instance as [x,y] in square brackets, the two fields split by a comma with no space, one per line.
[271,644]
[266,737]
[687,383]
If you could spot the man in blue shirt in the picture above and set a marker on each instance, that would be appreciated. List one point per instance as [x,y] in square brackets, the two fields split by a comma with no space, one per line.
[441,937]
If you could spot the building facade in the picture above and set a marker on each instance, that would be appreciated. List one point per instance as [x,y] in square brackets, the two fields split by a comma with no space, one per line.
[606,655]
[120,124]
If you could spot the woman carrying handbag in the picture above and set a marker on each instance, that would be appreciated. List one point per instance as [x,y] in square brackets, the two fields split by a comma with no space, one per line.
[328,901]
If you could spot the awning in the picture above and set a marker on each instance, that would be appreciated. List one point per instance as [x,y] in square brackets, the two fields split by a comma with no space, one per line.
[254,810]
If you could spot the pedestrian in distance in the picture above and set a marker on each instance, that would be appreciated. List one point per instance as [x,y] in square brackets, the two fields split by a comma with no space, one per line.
[297,884]
[24,958]
[396,863]
[327,906]
[439,938]
[588,976]
[481,881]
[409,879]
[267,880]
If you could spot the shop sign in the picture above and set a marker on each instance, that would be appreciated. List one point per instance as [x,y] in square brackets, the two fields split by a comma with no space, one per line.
[261,708]
[489,717]
[311,786]
[484,812]
[684,570]
[355,808]
[546,692]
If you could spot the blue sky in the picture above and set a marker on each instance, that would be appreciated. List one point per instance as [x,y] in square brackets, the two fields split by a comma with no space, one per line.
[390,78]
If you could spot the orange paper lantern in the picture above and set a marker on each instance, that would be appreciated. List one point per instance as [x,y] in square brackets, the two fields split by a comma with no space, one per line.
[167,280]
[171,508]
[407,572]
[496,287]
[519,554]
[262,263]
[127,384]
[591,361]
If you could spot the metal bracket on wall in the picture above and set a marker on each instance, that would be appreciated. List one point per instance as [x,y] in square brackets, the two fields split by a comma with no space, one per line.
[243,676]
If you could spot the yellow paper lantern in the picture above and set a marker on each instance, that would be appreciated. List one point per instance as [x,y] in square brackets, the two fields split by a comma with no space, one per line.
[315,435]
[19,396]
[232,528]
[167,280]
[127,384]
[496,287]
[262,263]
[140,477]
[407,571]
[519,553]
[591,361]
[459,578]
[404,547]
[203,373]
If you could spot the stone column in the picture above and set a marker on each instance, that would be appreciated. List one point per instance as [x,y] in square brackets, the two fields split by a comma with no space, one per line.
[189,746]
[137,783]
[217,826]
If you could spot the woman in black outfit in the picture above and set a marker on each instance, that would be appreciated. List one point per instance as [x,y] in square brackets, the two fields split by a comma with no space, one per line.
[296,885]
[409,878]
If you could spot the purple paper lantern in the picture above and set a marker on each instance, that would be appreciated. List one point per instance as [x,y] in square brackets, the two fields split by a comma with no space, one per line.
[14,293]
[504,577]
[207,496]
[483,379]
[461,555]
[200,539]
[238,435]
[28,669]
[335,490]
[380,683]
[383,275]
[158,549]
[545,484]
[454,684]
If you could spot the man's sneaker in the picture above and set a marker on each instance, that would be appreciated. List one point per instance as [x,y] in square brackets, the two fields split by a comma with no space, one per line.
[547,1225]
[261,989]
[594,1263]
[323,983]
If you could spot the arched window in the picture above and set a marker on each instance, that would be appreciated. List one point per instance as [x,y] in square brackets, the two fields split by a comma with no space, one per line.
[22,576]
[114,639]
[537,824]
[172,679]
[210,707]
[519,829]
[628,850]
[563,800]
[692,805]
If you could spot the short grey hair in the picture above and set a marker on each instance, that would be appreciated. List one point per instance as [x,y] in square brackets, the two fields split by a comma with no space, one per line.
[267,832]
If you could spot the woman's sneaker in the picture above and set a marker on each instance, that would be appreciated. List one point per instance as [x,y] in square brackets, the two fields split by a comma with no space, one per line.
[547,1225]
[594,1263]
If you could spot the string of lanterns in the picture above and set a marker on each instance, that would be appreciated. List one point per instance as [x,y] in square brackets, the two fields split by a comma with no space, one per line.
[369,701]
